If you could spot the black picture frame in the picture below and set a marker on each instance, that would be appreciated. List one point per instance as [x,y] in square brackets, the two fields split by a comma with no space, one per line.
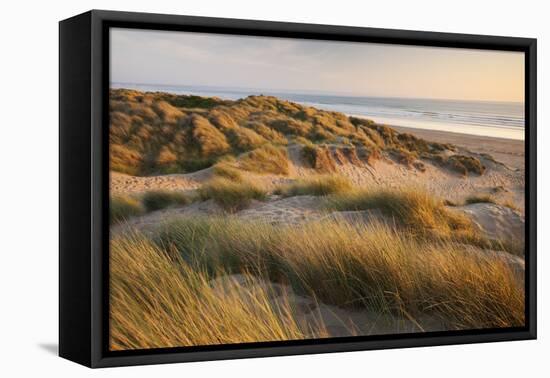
[84,179]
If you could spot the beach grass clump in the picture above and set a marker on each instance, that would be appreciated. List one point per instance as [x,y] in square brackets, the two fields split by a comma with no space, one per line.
[267,159]
[351,155]
[271,135]
[290,126]
[243,139]
[319,157]
[321,185]
[124,207]
[157,300]
[208,138]
[227,169]
[231,195]
[479,198]
[125,160]
[415,210]
[412,143]
[404,156]
[160,199]
[363,266]
[470,164]
[190,101]
[309,152]
[167,112]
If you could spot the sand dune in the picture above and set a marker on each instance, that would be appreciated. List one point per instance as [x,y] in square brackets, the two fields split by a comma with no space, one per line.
[477,183]
[500,181]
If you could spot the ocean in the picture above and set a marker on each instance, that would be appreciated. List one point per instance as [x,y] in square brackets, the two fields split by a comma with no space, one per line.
[484,118]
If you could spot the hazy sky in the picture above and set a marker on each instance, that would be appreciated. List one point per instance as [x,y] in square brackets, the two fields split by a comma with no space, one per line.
[278,64]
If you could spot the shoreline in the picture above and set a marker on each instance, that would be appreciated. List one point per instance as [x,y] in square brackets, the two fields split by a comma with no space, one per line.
[499,132]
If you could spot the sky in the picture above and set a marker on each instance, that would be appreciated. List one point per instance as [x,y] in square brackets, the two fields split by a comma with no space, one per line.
[302,66]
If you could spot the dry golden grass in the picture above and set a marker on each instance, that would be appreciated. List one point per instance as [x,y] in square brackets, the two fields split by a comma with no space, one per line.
[320,185]
[158,301]
[231,195]
[319,158]
[125,160]
[227,169]
[167,112]
[404,156]
[160,199]
[414,209]
[210,140]
[266,159]
[154,133]
[243,139]
[459,163]
[268,133]
[423,215]
[361,266]
[124,207]
[162,281]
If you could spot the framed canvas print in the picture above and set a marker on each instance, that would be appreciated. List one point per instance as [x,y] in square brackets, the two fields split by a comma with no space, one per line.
[233,188]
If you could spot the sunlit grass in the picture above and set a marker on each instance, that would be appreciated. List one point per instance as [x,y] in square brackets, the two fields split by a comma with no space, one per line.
[160,199]
[321,185]
[266,159]
[371,266]
[231,195]
[157,300]
[414,209]
[124,207]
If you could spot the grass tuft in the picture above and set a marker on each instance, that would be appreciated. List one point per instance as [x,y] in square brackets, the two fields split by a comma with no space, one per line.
[461,164]
[319,158]
[321,185]
[227,169]
[415,210]
[124,207]
[404,156]
[479,198]
[230,195]
[159,199]
[267,159]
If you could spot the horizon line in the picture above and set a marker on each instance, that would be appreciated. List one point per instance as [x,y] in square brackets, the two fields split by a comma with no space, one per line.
[316,92]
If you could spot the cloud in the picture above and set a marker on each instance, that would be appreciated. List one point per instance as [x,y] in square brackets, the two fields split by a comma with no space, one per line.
[183,58]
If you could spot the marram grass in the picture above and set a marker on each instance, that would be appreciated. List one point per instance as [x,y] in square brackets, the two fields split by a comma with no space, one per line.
[161,295]
[158,300]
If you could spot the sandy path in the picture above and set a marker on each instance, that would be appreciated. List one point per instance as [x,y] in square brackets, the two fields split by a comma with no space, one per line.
[288,211]
[123,184]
